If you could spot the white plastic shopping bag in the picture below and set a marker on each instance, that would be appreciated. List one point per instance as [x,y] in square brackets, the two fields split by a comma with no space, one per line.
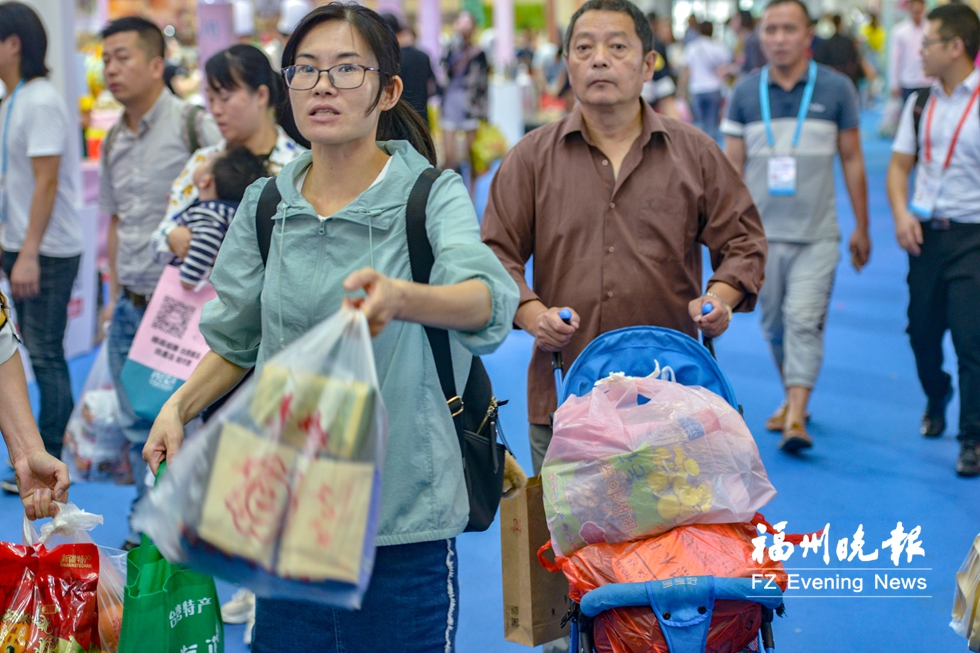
[281,490]
[95,448]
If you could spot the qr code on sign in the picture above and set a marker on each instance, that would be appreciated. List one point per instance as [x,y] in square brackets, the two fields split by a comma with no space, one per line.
[173,318]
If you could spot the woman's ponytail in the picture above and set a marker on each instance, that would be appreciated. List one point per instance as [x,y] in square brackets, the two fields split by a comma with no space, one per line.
[403,123]
[284,111]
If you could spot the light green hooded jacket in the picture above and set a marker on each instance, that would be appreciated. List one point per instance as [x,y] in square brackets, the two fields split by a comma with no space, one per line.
[260,310]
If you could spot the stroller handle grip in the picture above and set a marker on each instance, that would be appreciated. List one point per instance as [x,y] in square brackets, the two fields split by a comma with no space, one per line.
[557,365]
[617,595]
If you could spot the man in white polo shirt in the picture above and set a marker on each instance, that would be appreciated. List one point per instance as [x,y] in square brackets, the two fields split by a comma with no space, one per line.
[938,223]
[40,234]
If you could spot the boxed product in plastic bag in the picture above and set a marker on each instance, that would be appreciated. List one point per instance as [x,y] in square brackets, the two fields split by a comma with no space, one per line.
[59,591]
[720,550]
[966,603]
[95,448]
[636,457]
[281,491]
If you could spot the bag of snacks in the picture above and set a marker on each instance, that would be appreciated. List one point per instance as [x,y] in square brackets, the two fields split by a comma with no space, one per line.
[635,457]
[59,591]
[281,490]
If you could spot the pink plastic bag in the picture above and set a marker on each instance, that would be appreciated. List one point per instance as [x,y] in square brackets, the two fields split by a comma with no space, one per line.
[636,457]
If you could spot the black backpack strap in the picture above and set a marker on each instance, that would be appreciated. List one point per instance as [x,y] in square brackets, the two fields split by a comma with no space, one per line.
[421,258]
[264,211]
[921,97]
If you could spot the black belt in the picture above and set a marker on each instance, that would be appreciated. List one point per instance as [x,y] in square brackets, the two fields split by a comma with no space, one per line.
[139,301]
[940,224]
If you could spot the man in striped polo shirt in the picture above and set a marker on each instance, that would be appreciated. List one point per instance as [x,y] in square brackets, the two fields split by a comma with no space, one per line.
[785,125]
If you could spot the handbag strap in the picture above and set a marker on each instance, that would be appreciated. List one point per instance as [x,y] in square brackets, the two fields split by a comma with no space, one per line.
[421,258]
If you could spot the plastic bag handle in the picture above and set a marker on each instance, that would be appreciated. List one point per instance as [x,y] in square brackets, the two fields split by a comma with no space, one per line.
[548,564]
[67,522]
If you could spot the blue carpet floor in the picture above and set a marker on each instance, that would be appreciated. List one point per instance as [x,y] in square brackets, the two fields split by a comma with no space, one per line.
[869,468]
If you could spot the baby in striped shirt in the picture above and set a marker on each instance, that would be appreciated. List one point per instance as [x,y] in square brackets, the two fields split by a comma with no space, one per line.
[221,182]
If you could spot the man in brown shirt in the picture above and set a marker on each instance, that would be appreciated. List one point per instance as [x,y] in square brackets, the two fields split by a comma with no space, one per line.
[614,203]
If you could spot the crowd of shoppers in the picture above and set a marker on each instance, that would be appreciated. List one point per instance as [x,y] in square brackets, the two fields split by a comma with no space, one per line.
[618,185]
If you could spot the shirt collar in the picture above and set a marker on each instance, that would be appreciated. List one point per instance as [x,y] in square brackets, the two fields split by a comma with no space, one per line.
[154,113]
[652,123]
[802,80]
[968,85]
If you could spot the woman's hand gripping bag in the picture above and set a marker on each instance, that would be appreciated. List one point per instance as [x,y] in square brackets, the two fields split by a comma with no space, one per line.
[59,591]
[636,457]
[281,490]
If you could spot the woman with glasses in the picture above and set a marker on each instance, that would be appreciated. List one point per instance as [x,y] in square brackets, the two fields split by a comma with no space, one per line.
[247,99]
[340,233]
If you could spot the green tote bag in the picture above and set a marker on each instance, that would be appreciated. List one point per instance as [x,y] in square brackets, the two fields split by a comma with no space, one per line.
[168,608]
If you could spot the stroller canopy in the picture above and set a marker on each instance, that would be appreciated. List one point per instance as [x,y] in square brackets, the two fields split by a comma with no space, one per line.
[635,351]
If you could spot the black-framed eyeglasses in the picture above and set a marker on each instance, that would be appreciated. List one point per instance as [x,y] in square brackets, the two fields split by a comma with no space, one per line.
[343,76]
[927,42]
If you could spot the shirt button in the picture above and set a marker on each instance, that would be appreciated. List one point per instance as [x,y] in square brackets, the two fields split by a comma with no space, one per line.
[605,162]
[609,293]
[611,249]
[612,205]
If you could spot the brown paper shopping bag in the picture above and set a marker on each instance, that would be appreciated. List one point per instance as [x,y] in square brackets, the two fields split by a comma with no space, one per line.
[535,600]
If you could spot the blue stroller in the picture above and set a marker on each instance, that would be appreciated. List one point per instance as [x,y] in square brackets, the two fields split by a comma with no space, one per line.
[683,606]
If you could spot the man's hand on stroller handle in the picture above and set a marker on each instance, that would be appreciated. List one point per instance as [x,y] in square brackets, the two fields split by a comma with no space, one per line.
[551,333]
[720,297]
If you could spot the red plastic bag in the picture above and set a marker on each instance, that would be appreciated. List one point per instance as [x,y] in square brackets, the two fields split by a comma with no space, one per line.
[59,591]
[49,598]
[720,550]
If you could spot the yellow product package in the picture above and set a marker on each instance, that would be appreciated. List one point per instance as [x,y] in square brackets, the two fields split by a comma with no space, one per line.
[336,412]
[966,604]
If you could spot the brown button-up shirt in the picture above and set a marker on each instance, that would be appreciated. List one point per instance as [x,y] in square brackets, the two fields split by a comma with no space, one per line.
[621,251]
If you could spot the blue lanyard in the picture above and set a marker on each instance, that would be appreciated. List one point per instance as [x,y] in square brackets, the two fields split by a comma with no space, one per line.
[6,127]
[804,104]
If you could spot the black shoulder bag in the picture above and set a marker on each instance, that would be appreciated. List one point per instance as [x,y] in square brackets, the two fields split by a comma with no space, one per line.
[475,413]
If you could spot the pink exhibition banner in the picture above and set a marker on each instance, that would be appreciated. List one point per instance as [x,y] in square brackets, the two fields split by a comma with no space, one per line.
[169,340]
